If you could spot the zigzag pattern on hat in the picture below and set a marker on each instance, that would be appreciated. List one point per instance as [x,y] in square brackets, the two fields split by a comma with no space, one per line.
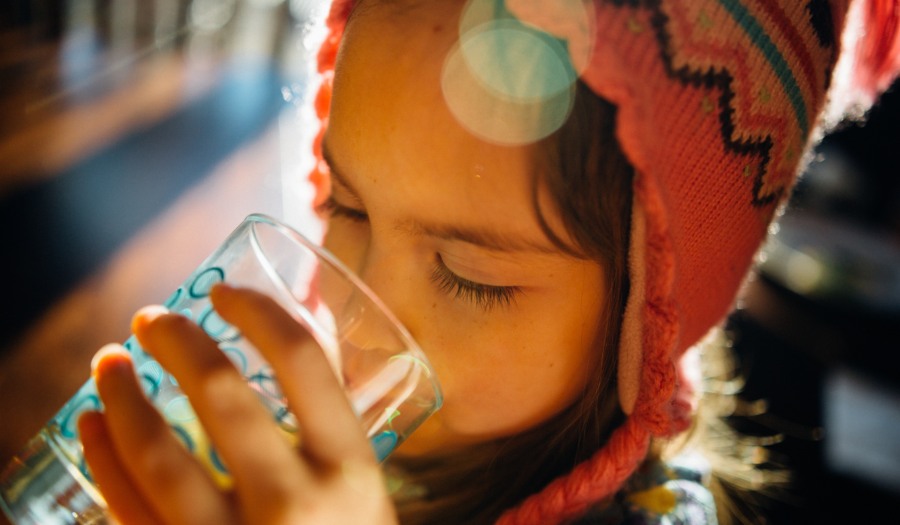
[769,68]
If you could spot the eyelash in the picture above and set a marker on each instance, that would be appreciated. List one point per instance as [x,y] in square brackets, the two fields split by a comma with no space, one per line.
[332,208]
[485,296]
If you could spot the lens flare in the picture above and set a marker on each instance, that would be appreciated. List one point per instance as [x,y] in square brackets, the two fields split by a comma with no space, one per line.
[506,81]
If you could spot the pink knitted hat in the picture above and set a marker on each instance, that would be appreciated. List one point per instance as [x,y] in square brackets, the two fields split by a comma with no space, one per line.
[718,102]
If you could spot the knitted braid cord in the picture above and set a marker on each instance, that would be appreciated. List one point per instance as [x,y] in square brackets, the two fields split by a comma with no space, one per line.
[570,496]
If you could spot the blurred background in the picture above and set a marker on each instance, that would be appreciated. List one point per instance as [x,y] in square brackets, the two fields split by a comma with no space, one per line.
[135,134]
[817,331]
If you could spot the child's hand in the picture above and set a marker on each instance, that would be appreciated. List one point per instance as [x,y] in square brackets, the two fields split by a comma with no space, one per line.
[147,476]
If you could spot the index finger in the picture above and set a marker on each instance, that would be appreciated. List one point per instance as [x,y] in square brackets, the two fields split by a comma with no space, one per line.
[243,431]
[331,432]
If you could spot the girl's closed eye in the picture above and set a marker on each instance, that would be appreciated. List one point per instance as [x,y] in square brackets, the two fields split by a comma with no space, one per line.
[484,296]
[332,208]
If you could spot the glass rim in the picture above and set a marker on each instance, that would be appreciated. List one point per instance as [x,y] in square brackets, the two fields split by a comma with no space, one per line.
[326,256]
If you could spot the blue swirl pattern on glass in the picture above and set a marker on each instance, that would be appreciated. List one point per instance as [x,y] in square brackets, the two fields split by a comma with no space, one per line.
[192,300]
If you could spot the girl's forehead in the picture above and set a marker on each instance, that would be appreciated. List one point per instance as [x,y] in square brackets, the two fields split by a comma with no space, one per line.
[418,36]
[388,83]
[390,122]
[504,81]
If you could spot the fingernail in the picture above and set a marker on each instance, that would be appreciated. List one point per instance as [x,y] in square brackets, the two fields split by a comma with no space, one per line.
[220,288]
[146,315]
[111,355]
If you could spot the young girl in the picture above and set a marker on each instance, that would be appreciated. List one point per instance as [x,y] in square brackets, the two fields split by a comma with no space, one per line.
[558,199]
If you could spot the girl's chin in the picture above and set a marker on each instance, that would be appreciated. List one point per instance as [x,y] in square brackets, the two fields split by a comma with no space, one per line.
[434,438]
[427,440]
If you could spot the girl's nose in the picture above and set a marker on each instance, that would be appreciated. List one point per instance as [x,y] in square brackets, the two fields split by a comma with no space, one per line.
[389,275]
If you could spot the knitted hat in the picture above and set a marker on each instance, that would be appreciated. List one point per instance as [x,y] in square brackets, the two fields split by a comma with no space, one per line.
[718,102]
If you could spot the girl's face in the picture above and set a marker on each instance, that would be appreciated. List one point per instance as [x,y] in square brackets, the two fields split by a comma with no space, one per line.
[443,227]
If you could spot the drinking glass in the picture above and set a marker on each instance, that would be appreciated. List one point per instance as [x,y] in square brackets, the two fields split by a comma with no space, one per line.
[387,378]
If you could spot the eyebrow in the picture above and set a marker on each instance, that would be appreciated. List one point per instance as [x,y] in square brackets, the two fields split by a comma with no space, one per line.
[487,238]
[483,237]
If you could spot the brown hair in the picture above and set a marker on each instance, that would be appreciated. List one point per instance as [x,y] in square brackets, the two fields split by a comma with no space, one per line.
[582,167]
